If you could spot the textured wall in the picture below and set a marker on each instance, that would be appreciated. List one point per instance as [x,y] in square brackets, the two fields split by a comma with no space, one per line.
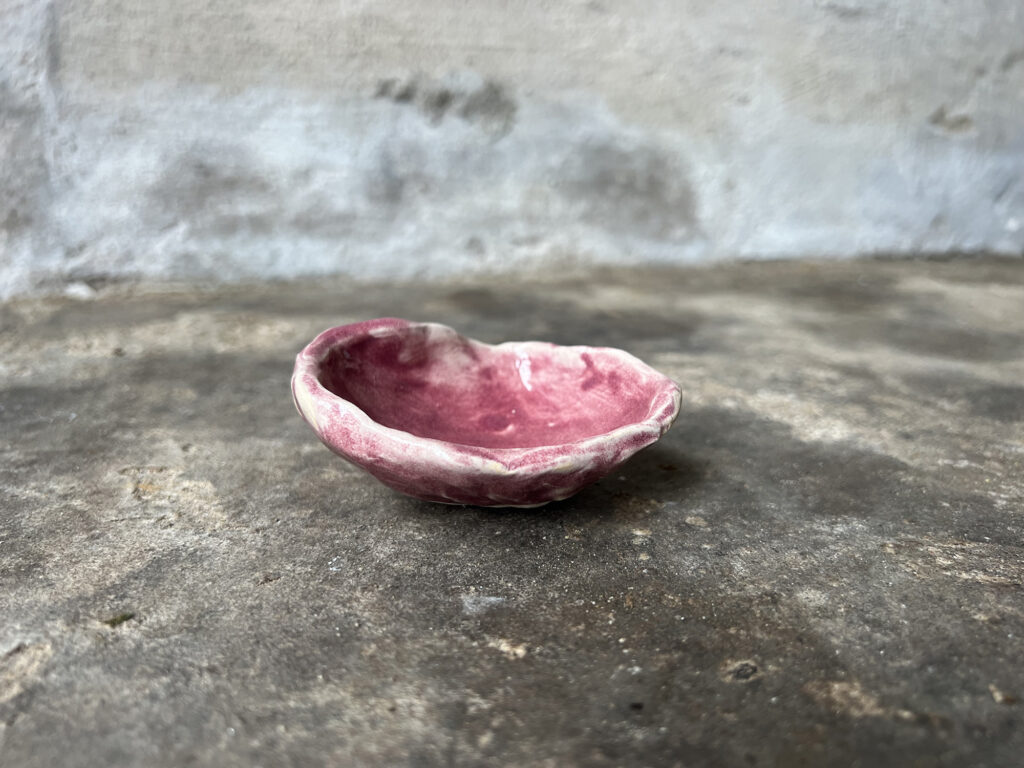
[260,138]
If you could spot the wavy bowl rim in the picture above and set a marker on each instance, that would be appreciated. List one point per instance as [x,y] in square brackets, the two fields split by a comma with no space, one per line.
[309,394]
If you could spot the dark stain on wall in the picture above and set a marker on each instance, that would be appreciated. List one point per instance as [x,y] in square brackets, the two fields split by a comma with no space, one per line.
[950,122]
[22,155]
[400,173]
[489,106]
[643,189]
[203,187]
[221,191]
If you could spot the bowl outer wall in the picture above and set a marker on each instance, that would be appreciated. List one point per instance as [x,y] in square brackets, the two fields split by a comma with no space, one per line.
[454,473]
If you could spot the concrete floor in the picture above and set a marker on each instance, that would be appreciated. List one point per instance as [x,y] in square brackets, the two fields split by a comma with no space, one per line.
[821,564]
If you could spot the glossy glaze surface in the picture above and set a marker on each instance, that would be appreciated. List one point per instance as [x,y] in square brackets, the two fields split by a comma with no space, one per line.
[512,396]
[445,418]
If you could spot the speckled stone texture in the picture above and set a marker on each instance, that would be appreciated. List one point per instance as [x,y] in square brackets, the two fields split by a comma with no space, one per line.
[820,564]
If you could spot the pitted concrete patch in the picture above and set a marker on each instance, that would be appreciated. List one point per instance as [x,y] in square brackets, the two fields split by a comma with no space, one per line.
[20,666]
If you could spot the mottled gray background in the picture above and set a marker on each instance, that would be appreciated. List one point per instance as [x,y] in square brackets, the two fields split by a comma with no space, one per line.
[235,139]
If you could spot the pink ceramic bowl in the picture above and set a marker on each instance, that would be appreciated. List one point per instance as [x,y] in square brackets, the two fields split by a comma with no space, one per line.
[444,418]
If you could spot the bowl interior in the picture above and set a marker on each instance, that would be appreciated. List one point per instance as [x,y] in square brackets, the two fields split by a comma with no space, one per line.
[439,385]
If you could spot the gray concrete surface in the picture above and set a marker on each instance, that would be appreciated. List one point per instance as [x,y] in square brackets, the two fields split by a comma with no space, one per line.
[245,138]
[821,564]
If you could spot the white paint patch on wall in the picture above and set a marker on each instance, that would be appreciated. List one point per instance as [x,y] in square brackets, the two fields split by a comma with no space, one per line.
[170,145]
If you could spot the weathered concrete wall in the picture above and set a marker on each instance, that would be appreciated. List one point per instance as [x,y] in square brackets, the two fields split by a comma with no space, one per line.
[258,138]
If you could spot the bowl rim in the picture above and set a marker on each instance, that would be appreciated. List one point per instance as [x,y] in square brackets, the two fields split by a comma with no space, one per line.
[309,395]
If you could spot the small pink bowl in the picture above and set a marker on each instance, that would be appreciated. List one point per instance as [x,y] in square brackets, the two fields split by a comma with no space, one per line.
[444,418]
